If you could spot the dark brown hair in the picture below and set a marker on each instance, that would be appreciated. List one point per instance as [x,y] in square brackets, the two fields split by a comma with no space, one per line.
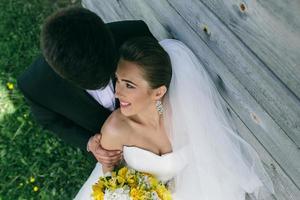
[153,59]
[79,47]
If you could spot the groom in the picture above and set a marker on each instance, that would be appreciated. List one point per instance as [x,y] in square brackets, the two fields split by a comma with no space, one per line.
[70,88]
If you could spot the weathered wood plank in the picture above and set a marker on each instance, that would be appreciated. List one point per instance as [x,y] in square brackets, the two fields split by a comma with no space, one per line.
[284,188]
[276,44]
[287,12]
[252,73]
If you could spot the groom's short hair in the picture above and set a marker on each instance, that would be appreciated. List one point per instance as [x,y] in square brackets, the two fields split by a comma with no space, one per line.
[79,47]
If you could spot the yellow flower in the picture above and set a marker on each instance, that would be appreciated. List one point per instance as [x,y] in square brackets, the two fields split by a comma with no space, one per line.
[35,188]
[10,85]
[130,178]
[133,192]
[98,186]
[32,179]
[153,181]
[113,183]
[163,193]
[137,194]
[122,172]
[121,180]
[98,190]
[98,194]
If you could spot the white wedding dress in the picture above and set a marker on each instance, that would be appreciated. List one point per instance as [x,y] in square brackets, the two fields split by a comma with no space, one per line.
[162,167]
[210,161]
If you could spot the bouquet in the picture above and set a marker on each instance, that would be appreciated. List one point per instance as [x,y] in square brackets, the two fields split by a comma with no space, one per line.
[129,184]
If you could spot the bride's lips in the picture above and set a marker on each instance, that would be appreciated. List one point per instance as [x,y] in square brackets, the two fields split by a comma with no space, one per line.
[124,104]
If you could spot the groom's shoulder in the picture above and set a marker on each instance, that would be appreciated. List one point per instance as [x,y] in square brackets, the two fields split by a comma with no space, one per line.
[38,75]
[127,25]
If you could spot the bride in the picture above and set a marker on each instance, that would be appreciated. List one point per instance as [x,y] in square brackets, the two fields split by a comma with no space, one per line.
[172,123]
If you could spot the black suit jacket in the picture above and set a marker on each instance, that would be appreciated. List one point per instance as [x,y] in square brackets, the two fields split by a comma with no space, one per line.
[59,106]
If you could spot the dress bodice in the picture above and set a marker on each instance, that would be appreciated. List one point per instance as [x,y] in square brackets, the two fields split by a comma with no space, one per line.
[163,167]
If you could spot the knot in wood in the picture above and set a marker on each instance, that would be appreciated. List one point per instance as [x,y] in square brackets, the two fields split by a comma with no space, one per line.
[255,118]
[273,166]
[243,7]
[206,30]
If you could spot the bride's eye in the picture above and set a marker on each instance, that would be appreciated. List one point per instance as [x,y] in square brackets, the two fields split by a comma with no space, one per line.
[129,86]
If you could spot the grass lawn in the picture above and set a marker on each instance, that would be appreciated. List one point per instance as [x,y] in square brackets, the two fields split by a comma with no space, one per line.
[33,163]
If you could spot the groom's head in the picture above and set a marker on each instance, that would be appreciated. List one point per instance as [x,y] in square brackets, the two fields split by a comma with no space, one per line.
[79,47]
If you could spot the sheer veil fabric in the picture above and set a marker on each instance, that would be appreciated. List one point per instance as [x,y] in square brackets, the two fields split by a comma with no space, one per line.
[220,165]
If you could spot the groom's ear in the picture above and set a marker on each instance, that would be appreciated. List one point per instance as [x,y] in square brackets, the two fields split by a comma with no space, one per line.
[160,92]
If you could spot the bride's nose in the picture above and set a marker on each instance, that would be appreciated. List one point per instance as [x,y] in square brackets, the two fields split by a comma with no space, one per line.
[118,92]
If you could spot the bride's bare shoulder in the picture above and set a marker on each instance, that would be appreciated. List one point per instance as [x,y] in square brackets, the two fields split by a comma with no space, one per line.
[115,131]
[115,122]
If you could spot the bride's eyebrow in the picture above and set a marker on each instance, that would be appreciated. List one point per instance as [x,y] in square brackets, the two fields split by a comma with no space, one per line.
[128,81]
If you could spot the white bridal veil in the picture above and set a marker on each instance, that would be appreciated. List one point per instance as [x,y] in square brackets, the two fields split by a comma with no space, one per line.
[220,164]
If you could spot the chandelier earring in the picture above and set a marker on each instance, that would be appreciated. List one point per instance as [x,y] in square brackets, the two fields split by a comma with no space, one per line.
[159,107]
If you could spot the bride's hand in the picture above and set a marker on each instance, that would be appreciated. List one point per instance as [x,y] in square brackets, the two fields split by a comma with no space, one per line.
[107,158]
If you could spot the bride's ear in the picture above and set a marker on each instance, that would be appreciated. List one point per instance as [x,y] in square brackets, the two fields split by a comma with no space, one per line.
[159,92]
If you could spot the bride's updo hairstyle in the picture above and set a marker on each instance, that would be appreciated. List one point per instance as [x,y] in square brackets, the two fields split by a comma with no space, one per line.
[151,57]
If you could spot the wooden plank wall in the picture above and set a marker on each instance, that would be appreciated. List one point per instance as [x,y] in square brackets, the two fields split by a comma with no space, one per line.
[251,49]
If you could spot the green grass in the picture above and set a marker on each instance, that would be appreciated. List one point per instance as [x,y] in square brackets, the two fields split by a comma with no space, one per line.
[25,149]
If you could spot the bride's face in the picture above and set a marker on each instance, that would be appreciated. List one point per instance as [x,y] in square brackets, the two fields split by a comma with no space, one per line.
[132,90]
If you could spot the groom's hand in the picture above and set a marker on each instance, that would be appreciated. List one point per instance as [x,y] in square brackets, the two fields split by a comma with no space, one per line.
[107,158]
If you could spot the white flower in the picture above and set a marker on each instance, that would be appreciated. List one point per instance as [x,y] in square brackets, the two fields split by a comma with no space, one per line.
[118,194]
[155,196]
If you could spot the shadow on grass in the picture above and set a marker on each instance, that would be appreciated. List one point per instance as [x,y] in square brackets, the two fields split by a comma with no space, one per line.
[34,163]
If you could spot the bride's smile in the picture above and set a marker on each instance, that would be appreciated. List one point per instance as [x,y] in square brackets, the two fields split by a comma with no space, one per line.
[124,104]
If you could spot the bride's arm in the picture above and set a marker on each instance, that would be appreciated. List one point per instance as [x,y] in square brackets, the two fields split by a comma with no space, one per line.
[113,137]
